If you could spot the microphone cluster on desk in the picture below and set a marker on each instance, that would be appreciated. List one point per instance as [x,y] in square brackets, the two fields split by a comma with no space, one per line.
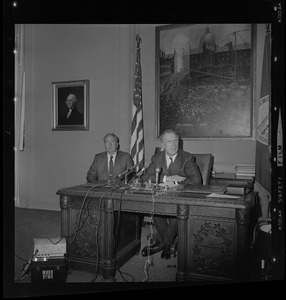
[140,173]
[128,171]
[137,176]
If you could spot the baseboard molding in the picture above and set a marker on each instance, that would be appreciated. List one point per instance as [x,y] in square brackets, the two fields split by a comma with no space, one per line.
[43,205]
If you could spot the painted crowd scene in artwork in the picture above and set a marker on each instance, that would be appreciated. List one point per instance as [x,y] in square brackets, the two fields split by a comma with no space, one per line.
[204,80]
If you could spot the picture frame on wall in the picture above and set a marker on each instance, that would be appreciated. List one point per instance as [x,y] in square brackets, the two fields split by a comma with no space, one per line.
[204,80]
[70,105]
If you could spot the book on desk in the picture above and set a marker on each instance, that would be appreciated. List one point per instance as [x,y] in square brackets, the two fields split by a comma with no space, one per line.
[244,171]
[205,189]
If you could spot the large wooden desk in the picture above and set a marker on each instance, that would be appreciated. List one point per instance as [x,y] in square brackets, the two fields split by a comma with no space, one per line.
[212,239]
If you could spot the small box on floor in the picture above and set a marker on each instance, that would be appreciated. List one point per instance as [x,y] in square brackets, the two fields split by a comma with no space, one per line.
[49,262]
[49,270]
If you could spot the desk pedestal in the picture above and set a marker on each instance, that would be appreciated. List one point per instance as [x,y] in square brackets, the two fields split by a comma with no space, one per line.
[94,246]
[217,244]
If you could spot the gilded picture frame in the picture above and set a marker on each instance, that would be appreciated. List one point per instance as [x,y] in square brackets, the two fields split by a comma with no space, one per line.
[74,95]
[205,80]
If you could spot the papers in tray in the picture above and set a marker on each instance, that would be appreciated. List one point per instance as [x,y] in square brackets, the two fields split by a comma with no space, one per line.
[95,184]
[236,190]
[214,195]
[205,189]
[98,184]
[168,184]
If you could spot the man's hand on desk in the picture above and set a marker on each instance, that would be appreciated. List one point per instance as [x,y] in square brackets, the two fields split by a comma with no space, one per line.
[175,178]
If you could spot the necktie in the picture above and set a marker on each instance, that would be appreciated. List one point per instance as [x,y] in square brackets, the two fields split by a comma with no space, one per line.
[69,113]
[170,165]
[111,165]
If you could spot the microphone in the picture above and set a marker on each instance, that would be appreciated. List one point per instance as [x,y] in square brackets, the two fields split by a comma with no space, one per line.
[128,170]
[141,172]
[137,175]
[157,175]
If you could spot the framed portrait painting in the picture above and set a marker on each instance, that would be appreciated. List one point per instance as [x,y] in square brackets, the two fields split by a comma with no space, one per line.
[204,80]
[70,105]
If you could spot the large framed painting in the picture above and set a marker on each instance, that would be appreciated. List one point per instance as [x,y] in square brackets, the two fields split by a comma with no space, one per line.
[70,105]
[204,80]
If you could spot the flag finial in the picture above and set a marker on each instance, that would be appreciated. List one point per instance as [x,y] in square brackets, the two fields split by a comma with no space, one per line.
[267,27]
[139,40]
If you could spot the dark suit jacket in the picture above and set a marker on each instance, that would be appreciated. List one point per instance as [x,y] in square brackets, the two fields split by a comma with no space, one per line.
[184,165]
[75,118]
[98,171]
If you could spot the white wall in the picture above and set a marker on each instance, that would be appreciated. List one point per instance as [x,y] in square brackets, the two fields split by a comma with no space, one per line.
[55,159]
[105,55]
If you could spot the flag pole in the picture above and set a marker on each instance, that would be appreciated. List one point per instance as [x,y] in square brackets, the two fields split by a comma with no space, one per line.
[139,40]
[137,128]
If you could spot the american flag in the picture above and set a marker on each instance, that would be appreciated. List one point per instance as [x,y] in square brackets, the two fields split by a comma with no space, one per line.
[137,129]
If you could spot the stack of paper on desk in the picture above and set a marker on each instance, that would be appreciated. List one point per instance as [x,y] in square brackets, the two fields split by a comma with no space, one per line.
[169,184]
[214,195]
[205,189]
[95,184]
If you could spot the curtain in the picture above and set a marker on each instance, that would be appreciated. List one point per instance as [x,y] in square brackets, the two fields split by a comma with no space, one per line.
[19,87]
[19,100]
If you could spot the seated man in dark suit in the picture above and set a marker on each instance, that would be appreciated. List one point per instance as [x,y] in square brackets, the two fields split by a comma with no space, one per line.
[107,165]
[72,116]
[175,165]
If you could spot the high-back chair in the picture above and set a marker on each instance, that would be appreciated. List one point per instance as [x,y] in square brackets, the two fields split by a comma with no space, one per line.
[205,164]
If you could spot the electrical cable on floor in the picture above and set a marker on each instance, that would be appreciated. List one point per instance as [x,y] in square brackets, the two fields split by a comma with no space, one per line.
[116,239]
[96,237]
[121,274]
[78,227]
[21,277]
[79,217]
[54,243]
[23,259]
[149,261]
[26,267]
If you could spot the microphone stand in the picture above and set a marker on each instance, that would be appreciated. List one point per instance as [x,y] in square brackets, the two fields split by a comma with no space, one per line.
[137,176]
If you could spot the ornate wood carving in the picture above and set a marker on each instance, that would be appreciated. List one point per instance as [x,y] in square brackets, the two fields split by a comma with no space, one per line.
[242,215]
[212,250]
[65,202]
[108,205]
[182,216]
[88,237]
[182,211]
[242,219]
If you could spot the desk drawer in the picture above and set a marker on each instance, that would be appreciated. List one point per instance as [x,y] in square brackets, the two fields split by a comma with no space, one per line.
[205,211]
